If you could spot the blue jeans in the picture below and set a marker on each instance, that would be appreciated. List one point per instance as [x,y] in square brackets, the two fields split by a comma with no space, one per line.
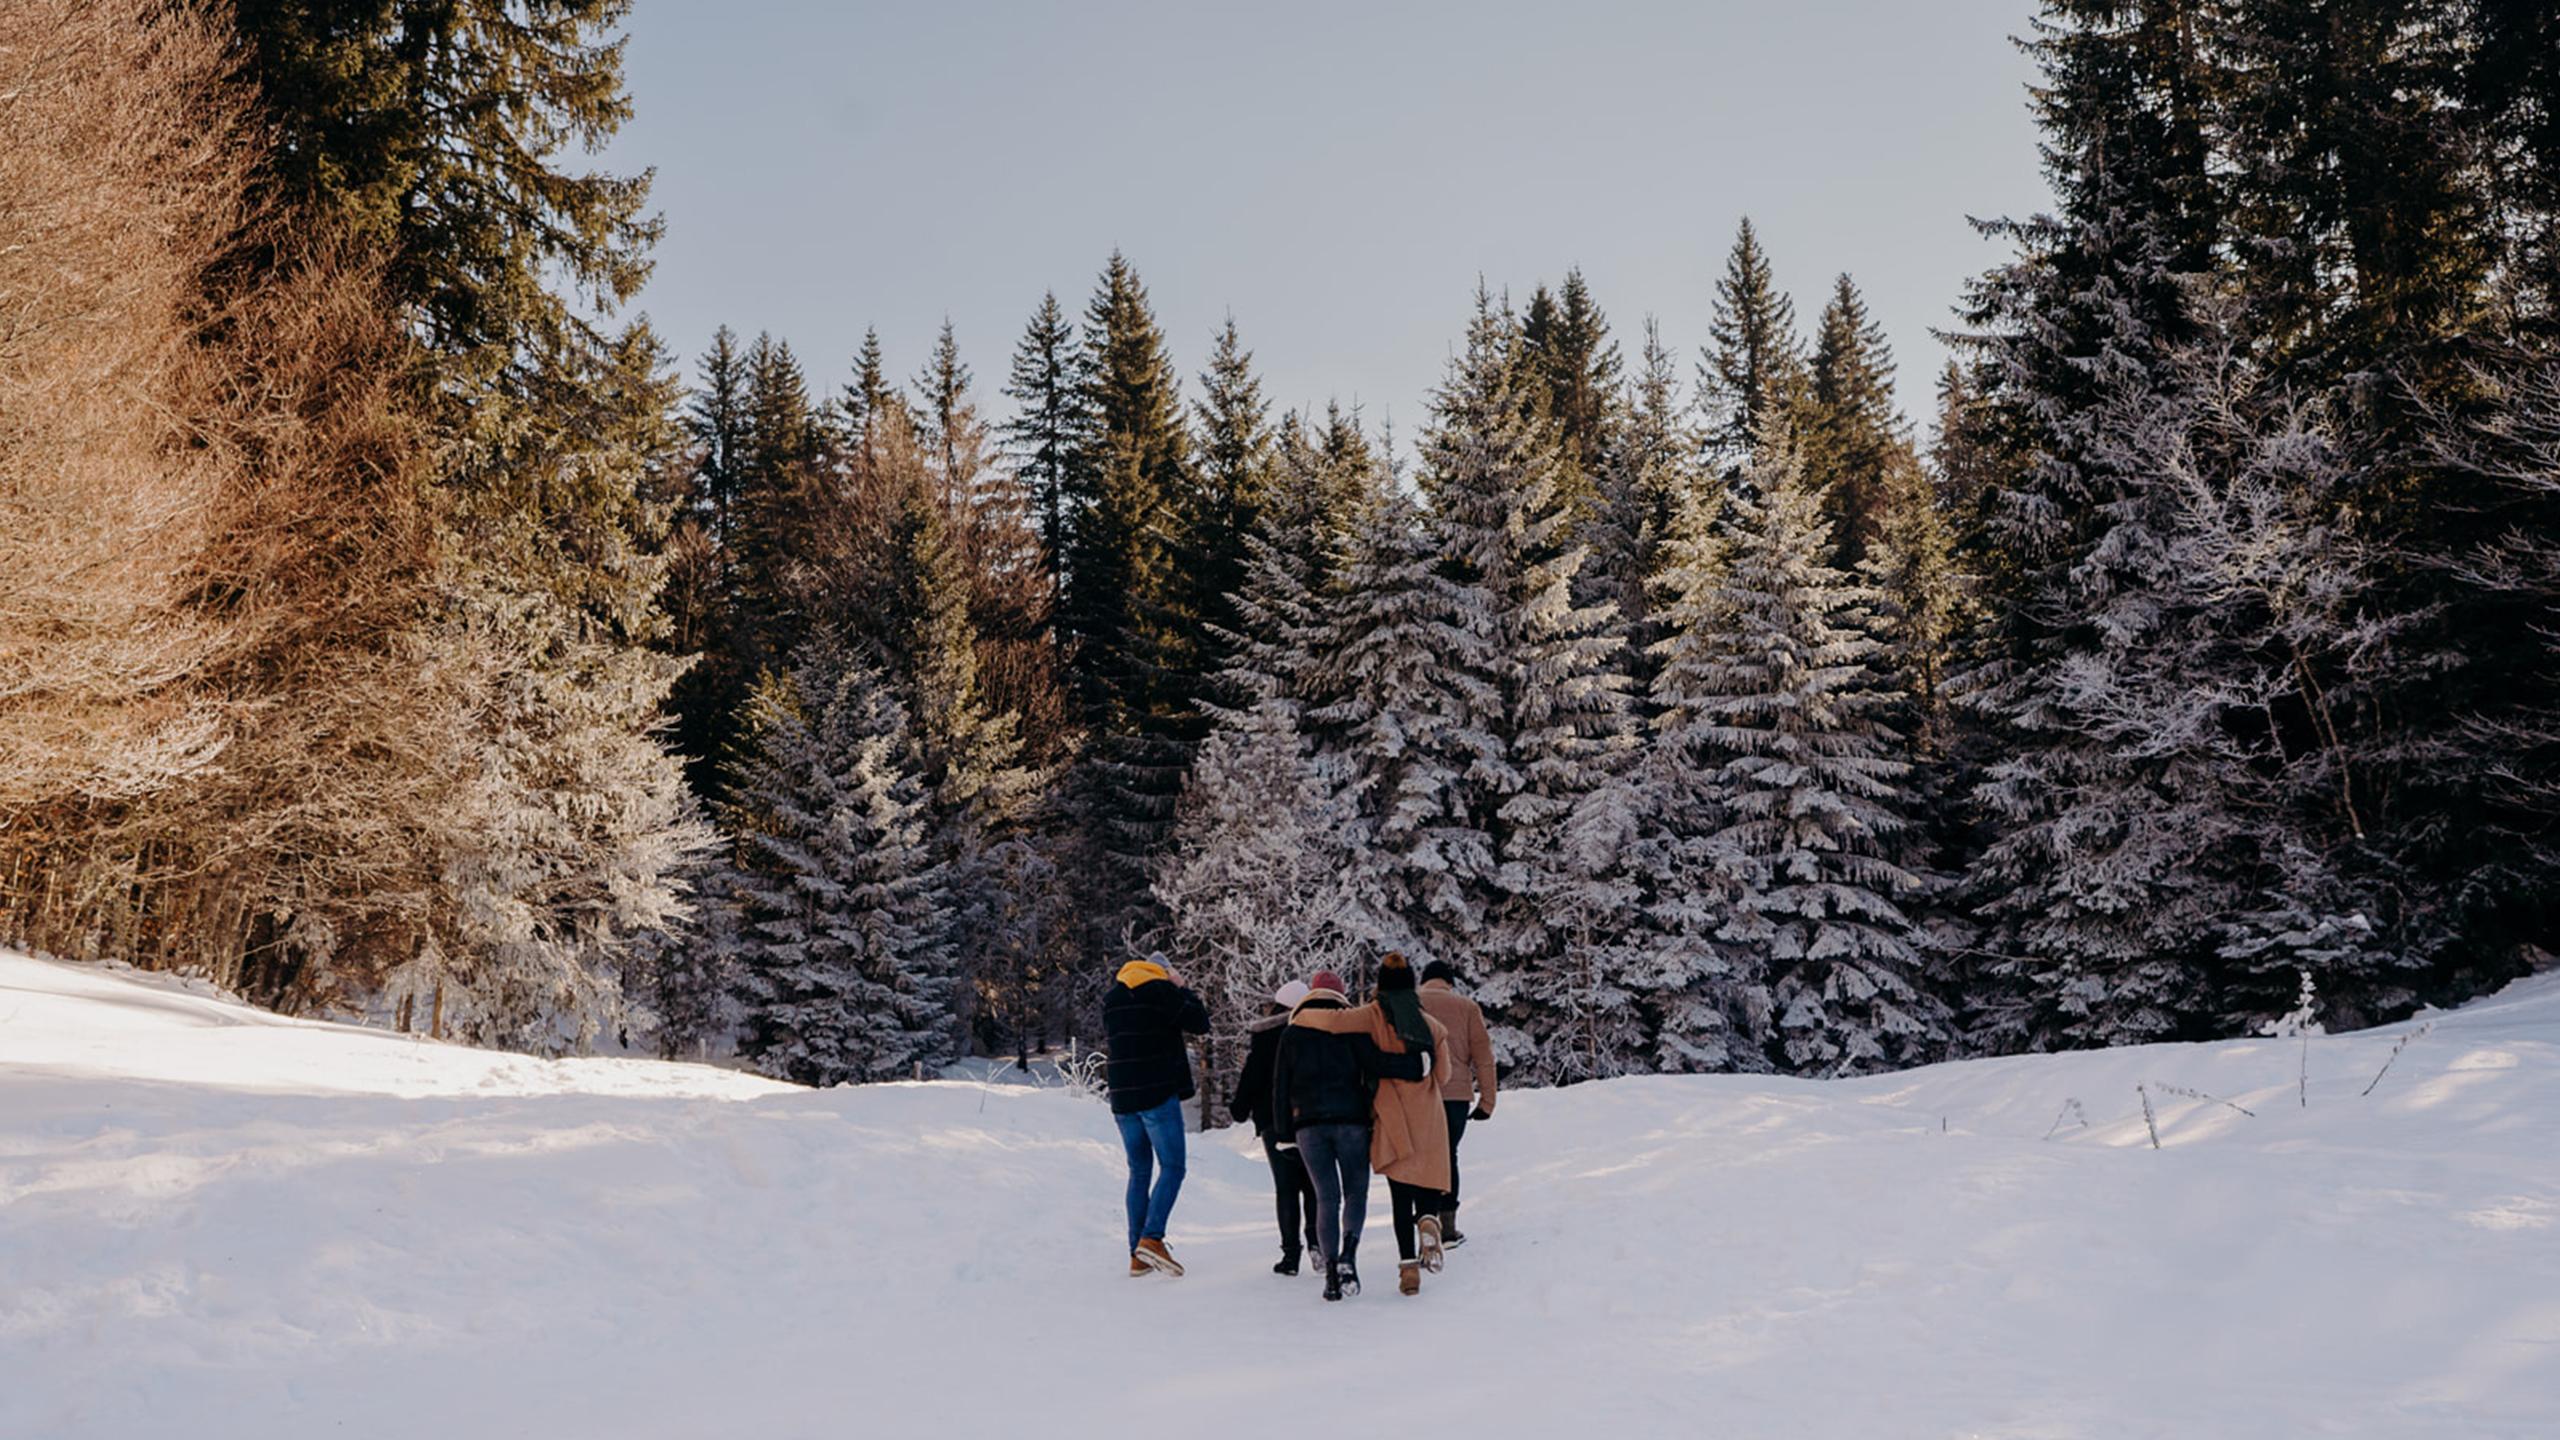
[1337,1160]
[1153,1139]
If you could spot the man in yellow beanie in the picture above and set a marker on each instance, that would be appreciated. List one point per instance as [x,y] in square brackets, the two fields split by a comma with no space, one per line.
[1144,1017]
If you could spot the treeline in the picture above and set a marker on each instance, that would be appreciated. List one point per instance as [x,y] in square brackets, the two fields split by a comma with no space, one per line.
[1695,711]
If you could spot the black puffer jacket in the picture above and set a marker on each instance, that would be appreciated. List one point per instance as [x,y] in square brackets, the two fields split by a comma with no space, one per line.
[1252,1100]
[1144,1023]
[1320,1078]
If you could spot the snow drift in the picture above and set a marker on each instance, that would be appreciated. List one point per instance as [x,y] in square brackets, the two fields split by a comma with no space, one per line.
[217,1222]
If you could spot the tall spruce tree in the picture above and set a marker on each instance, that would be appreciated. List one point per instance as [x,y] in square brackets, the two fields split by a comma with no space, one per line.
[1046,436]
[1854,443]
[2078,336]
[1784,695]
[1703,1010]
[782,447]
[847,969]
[1576,371]
[701,596]
[1404,688]
[1126,607]
[2371,206]
[1553,793]
[578,832]
[1649,474]
[1753,369]
[435,133]
[1232,490]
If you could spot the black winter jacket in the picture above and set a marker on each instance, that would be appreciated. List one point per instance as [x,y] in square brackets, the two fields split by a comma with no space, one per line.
[1321,1078]
[1252,1100]
[1144,1027]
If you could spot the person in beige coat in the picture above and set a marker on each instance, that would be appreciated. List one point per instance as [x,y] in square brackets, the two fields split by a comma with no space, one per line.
[1466,1073]
[1409,1128]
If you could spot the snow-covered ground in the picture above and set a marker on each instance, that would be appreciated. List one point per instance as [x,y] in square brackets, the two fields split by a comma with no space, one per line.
[215,1223]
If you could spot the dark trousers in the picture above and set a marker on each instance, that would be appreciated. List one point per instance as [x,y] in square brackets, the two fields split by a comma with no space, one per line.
[1411,1203]
[1458,1111]
[1337,1160]
[1294,1195]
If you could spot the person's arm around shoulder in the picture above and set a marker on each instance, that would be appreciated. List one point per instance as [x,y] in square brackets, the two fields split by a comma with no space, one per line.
[1378,1063]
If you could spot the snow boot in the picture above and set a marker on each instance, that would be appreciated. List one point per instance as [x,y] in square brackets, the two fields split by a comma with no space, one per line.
[1428,1231]
[1151,1252]
[1351,1268]
[1450,1239]
[1409,1278]
[1333,1279]
[1288,1264]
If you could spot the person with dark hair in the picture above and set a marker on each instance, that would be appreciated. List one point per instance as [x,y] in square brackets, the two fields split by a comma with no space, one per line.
[1466,1074]
[1145,1014]
[1408,1132]
[1324,1082]
[1292,1188]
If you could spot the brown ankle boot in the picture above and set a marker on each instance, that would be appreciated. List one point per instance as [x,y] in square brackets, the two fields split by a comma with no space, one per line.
[1409,1278]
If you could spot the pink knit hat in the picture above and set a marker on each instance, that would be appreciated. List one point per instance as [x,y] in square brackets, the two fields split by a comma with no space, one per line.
[1326,980]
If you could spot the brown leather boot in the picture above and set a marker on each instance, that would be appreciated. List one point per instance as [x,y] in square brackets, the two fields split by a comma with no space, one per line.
[1138,1267]
[1151,1253]
[1409,1278]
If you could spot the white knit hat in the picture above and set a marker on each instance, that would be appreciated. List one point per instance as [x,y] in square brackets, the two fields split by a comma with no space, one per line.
[1288,996]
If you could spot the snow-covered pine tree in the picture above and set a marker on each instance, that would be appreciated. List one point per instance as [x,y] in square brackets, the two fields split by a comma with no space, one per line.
[1321,487]
[1752,372]
[1703,1011]
[2266,636]
[2088,934]
[847,965]
[1571,379]
[1405,685]
[1551,786]
[1650,471]
[1853,437]
[688,989]
[1786,692]
[576,831]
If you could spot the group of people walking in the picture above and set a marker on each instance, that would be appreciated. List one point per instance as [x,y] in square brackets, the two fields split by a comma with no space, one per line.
[1336,1091]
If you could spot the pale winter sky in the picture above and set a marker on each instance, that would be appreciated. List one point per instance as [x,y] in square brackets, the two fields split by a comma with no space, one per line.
[1335,174]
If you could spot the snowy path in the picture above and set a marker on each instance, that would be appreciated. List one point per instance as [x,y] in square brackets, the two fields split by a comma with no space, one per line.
[214,1223]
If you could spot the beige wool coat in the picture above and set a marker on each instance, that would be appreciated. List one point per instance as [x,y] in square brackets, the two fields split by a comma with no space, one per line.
[1465,1063]
[1408,1129]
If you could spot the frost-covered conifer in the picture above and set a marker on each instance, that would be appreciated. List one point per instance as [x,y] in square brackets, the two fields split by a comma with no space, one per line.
[1704,1010]
[1253,886]
[1784,691]
[842,907]
[1402,729]
[1546,716]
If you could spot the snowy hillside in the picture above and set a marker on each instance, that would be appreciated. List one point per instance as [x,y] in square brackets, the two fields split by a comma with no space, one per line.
[214,1222]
